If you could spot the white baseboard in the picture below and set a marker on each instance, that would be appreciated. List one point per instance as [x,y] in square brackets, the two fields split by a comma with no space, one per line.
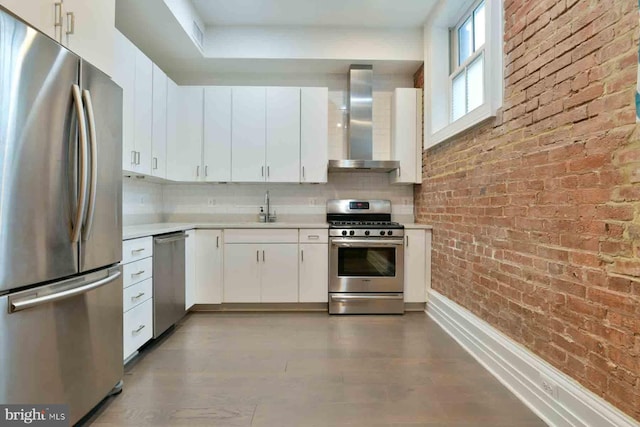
[567,403]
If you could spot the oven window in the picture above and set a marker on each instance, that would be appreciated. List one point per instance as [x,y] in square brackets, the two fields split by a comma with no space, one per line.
[367,262]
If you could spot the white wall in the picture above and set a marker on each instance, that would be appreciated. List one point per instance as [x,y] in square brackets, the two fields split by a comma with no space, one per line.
[292,202]
[141,201]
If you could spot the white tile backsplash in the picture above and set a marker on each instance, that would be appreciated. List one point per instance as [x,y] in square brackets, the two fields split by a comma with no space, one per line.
[141,201]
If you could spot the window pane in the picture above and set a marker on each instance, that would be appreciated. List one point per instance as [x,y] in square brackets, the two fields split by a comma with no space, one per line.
[465,40]
[478,26]
[458,96]
[475,83]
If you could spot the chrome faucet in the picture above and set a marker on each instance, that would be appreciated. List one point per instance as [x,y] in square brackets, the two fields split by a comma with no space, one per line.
[267,202]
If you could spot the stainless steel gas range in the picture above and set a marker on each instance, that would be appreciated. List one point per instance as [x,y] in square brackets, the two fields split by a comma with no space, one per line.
[366,258]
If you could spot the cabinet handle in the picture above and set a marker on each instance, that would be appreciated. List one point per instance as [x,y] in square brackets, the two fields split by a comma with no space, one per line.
[57,22]
[303,173]
[262,256]
[71,23]
[206,171]
[137,157]
[268,171]
[155,163]
[136,251]
[407,240]
[133,157]
[141,294]
[138,273]
[302,254]
[141,327]
[257,256]
[217,241]
[313,237]
[399,172]
[197,170]
[262,171]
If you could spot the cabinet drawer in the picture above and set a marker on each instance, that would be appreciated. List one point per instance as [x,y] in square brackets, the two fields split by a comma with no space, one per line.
[137,271]
[137,327]
[136,249]
[136,294]
[275,235]
[314,235]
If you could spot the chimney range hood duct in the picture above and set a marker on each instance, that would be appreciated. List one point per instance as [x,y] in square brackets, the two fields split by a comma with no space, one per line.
[360,130]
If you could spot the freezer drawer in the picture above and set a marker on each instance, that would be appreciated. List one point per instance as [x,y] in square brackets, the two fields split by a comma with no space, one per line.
[62,343]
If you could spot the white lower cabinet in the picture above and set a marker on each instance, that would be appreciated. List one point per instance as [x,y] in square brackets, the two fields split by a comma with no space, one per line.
[190,269]
[314,272]
[137,294]
[417,265]
[242,272]
[279,273]
[137,327]
[208,266]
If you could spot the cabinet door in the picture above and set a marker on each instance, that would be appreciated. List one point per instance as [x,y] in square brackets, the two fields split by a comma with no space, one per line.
[248,134]
[93,31]
[314,119]
[415,283]
[283,134]
[190,270]
[279,273]
[217,134]
[184,150]
[172,129]
[208,267]
[404,148]
[37,13]
[159,127]
[143,95]
[314,273]
[242,273]
[124,75]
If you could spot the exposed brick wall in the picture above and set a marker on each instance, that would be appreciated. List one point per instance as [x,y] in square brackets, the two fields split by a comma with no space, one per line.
[536,213]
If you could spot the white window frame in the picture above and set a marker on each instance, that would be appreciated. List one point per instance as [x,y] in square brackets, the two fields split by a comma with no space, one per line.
[448,15]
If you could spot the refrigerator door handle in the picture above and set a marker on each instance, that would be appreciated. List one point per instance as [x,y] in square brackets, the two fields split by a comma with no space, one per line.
[86,96]
[76,226]
[25,303]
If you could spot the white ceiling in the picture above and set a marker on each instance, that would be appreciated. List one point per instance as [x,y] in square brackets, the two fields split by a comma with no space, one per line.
[316,13]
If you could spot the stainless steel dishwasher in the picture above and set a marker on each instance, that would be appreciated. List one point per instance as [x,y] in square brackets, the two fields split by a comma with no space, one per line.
[168,281]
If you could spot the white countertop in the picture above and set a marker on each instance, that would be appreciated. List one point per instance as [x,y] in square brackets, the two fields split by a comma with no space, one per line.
[144,230]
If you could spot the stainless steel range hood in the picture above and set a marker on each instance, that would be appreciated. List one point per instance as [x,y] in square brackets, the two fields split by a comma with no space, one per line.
[360,129]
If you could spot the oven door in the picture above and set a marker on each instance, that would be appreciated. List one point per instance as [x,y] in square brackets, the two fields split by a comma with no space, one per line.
[366,265]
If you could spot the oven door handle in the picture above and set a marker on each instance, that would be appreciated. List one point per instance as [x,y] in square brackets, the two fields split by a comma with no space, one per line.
[365,297]
[350,243]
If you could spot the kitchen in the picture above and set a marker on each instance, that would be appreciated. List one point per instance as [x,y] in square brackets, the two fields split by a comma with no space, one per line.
[270,173]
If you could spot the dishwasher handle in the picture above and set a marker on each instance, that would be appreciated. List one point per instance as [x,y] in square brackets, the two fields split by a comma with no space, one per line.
[171,238]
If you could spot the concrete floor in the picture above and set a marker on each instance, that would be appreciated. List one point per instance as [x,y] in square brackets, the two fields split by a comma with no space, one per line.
[309,369]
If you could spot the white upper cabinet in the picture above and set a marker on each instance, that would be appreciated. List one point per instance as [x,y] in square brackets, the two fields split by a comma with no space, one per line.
[89,30]
[248,134]
[184,151]
[85,27]
[172,127]
[406,136]
[143,93]
[124,76]
[283,134]
[40,14]
[314,118]
[159,126]
[217,134]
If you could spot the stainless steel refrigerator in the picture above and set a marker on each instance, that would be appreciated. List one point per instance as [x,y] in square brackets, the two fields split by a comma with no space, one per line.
[60,224]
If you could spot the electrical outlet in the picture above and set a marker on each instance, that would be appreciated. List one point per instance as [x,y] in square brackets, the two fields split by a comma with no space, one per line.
[549,387]
[406,201]
[211,202]
[312,201]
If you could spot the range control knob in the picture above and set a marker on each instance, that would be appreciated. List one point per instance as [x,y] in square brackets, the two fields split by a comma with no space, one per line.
[382,233]
[344,232]
[351,233]
[389,232]
[366,233]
